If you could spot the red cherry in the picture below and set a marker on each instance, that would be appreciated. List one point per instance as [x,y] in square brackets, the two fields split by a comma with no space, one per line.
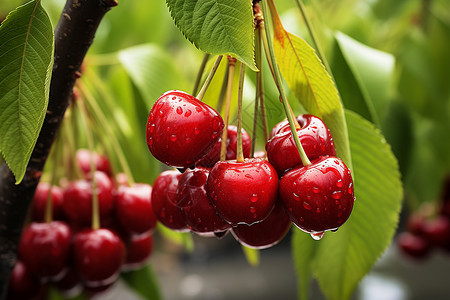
[134,208]
[437,231]
[182,129]
[139,250]
[213,156]
[266,233]
[69,285]
[84,161]
[320,196]
[23,286]
[98,256]
[164,201]
[40,202]
[314,136]
[194,202]
[44,248]
[77,203]
[413,245]
[243,193]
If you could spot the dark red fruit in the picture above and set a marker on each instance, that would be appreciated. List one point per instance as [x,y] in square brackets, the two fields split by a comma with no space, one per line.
[139,250]
[413,245]
[40,202]
[194,202]
[77,203]
[164,201]
[320,196]
[44,248]
[266,233]
[70,285]
[437,231]
[182,129]
[243,193]
[101,163]
[98,256]
[314,136]
[134,208]
[23,286]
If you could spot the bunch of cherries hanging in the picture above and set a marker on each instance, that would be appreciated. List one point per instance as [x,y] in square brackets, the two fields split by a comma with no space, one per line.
[255,198]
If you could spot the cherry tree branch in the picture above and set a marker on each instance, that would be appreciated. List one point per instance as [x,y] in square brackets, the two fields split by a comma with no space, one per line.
[73,36]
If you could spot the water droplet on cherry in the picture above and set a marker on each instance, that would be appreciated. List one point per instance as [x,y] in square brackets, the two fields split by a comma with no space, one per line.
[254,198]
[307,206]
[316,190]
[196,131]
[350,188]
[179,110]
[336,195]
[339,183]
[252,210]
[317,235]
[173,138]
[188,113]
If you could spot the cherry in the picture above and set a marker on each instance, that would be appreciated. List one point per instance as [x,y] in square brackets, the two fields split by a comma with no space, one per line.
[44,248]
[213,156]
[77,203]
[314,136]
[437,231]
[194,202]
[139,250]
[40,202]
[413,245]
[134,208]
[243,192]
[69,285]
[164,201]
[266,233]
[84,161]
[23,286]
[319,196]
[98,256]
[181,129]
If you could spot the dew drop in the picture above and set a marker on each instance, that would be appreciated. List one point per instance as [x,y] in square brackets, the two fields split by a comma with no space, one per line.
[339,183]
[198,108]
[254,197]
[307,206]
[337,202]
[316,190]
[252,210]
[188,113]
[336,195]
[336,161]
[173,138]
[317,236]
[196,131]
[317,210]
[152,128]
[350,188]
[250,177]
[254,216]
[308,197]
[150,141]
[167,129]
[179,110]
[161,113]
[214,134]
[296,197]
[174,98]
[188,140]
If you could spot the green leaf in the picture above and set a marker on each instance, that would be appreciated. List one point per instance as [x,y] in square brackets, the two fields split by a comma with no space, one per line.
[373,71]
[152,70]
[311,84]
[343,258]
[144,282]
[252,255]
[26,60]
[180,238]
[217,26]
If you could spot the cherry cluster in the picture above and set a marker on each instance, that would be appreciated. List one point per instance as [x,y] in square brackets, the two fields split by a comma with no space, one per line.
[66,250]
[427,229]
[255,198]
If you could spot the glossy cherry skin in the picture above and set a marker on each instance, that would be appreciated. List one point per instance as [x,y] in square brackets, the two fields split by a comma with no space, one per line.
[314,136]
[77,203]
[134,208]
[194,202]
[320,196]
[243,192]
[414,246]
[213,156]
[40,202]
[44,248]
[266,233]
[98,256]
[165,201]
[181,129]
[101,162]
[139,250]
[23,285]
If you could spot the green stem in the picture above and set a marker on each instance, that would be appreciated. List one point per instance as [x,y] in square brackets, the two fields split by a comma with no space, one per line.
[223,91]
[258,87]
[270,54]
[239,150]
[200,73]
[209,78]
[231,69]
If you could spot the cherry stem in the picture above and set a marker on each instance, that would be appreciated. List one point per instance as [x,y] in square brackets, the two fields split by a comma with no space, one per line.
[313,35]
[209,78]
[231,69]
[270,54]
[98,112]
[90,142]
[258,87]
[239,150]
[223,91]
[200,73]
